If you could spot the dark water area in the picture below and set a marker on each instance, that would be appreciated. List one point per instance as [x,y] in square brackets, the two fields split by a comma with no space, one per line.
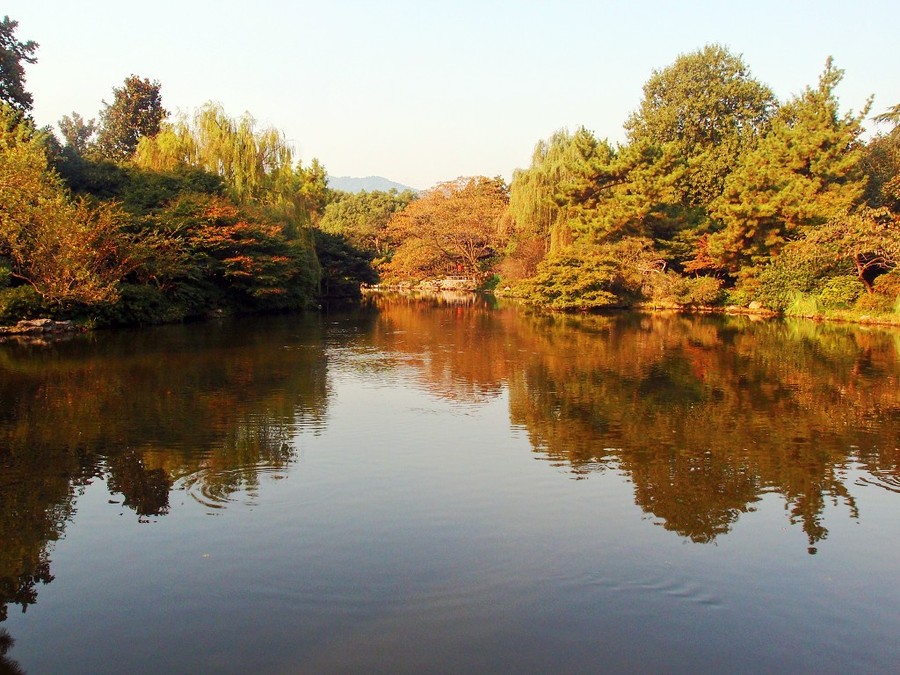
[452,485]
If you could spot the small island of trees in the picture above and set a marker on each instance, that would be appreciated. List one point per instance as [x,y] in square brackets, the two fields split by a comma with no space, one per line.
[721,196]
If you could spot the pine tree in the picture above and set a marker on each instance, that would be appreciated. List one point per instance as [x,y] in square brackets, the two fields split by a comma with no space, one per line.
[803,173]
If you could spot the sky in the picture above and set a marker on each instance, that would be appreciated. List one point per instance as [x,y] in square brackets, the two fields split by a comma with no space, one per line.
[422,91]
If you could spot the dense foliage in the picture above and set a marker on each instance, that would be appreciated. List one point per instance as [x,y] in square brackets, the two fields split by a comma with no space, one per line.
[362,218]
[140,220]
[730,196]
[454,229]
[13,53]
[720,195]
[136,112]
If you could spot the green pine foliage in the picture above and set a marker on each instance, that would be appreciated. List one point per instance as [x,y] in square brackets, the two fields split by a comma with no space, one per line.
[740,200]
[805,171]
[593,276]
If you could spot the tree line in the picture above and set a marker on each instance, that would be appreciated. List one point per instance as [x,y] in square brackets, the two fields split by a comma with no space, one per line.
[720,195]
[138,216]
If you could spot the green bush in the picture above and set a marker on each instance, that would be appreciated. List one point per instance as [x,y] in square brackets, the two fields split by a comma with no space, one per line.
[698,291]
[660,288]
[570,282]
[738,295]
[840,292]
[344,266]
[874,303]
[137,304]
[779,283]
[20,302]
[885,295]
[888,284]
[803,304]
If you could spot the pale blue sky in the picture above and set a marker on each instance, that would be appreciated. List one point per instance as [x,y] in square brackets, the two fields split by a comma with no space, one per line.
[426,91]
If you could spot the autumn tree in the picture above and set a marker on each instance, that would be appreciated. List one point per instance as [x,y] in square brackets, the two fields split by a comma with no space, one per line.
[136,112]
[70,252]
[245,256]
[13,54]
[454,228]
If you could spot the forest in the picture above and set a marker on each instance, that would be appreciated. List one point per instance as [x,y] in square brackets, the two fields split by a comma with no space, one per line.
[721,196]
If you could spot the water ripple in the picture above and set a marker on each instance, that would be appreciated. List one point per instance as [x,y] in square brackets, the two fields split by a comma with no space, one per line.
[215,487]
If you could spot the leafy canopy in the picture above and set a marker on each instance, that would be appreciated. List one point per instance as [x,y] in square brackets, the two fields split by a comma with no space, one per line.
[256,164]
[68,251]
[454,228]
[363,217]
[709,107]
[136,112]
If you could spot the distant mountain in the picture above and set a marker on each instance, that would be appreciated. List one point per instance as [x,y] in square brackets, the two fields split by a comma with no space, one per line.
[369,184]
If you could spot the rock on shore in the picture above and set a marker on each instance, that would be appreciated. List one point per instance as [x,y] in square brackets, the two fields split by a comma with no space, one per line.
[38,327]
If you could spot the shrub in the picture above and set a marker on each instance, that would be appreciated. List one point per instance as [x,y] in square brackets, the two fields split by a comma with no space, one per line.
[802,304]
[888,284]
[840,292]
[20,302]
[661,288]
[570,282]
[885,295]
[738,295]
[874,303]
[138,304]
[593,276]
[5,273]
[779,283]
[698,291]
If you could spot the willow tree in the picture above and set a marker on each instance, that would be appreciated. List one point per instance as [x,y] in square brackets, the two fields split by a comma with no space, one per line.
[557,197]
[257,165]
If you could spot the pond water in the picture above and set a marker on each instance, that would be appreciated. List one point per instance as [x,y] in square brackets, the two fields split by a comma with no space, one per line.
[448,485]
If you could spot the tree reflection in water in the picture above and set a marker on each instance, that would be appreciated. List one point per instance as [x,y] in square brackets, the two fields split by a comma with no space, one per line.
[703,415]
[143,410]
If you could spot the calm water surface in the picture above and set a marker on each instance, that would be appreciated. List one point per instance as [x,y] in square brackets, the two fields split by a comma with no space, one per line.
[451,486]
